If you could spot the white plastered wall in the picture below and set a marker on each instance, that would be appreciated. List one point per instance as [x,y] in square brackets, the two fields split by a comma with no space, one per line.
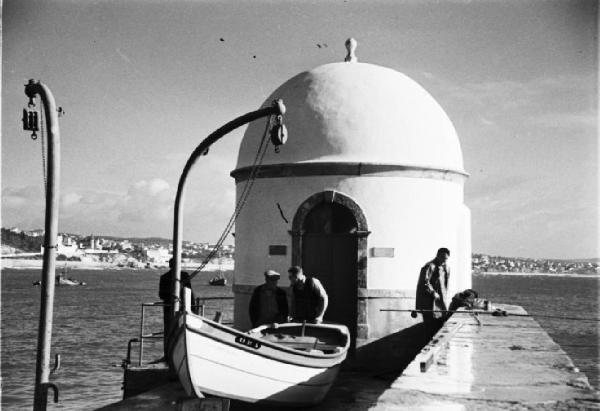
[415,216]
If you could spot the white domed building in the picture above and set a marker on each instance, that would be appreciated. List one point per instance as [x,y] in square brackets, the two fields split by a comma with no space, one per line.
[368,186]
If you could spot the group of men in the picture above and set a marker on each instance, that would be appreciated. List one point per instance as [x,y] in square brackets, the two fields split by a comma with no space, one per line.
[309,299]
[269,303]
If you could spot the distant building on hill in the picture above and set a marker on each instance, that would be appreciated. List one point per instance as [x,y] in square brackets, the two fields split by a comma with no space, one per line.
[125,245]
[158,256]
[65,246]
[35,233]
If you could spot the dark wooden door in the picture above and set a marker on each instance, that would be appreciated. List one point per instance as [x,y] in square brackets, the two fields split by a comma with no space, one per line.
[332,258]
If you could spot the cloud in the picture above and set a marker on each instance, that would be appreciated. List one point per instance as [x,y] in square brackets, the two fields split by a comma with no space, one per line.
[487,122]
[144,209]
[586,119]
[543,216]
[123,55]
[21,195]
[70,199]
[23,207]
[148,202]
[567,101]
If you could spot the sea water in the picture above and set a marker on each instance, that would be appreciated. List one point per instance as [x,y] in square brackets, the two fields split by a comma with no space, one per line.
[93,323]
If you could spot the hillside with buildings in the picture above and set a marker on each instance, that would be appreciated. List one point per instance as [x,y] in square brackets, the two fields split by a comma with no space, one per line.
[155,252]
[151,252]
[483,263]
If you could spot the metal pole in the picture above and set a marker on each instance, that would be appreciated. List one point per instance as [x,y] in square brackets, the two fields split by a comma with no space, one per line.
[276,109]
[51,232]
[141,337]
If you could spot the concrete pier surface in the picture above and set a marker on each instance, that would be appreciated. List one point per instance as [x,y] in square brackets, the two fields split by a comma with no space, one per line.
[481,362]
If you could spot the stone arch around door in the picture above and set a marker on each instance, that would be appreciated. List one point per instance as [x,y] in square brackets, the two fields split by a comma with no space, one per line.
[361,234]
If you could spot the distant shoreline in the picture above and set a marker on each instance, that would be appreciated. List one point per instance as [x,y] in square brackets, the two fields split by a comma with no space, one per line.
[496,273]
[25,264]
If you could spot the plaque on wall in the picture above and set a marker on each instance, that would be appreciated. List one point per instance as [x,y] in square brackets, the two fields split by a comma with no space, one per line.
[382,252]
[278,250]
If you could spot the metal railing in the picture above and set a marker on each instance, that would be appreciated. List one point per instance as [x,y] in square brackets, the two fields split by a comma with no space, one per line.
[199,303]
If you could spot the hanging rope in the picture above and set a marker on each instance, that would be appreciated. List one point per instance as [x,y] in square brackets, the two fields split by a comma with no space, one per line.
[258,159]
[42,120]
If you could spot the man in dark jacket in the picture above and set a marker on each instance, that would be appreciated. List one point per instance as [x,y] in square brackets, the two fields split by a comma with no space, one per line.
[164,293]
[310,299]
[432,290]
[268,303]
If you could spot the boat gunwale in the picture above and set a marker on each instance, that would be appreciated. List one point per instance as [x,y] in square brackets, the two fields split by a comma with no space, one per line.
[270,344]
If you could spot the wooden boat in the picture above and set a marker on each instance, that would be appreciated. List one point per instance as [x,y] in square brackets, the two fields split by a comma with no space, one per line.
[289,364]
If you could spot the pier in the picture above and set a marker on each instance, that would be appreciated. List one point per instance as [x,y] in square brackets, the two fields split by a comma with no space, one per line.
[481,362]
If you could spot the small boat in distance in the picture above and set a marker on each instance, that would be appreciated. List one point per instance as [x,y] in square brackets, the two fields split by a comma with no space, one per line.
[218,280]
[291,364]
[62,279]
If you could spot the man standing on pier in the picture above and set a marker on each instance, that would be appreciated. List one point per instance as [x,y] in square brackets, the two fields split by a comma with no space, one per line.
[432,290]
[309,297]
[269,302]
[164,293]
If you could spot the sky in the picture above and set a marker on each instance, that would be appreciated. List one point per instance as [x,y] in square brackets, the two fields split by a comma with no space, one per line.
[143,82]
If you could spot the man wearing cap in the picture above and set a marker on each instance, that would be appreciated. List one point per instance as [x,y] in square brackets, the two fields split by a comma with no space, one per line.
[268,303]
[309,297]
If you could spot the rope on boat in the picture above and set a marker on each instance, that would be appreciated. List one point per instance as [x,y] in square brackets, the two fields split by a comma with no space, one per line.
[495,313]
[258,159]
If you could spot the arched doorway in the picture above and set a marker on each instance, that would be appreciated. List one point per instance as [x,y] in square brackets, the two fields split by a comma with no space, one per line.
[329,242]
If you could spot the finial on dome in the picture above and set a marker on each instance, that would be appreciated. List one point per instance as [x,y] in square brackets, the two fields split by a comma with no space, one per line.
[351,44]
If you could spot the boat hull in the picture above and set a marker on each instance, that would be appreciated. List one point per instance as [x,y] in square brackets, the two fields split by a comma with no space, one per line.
[213,359]
[63,281]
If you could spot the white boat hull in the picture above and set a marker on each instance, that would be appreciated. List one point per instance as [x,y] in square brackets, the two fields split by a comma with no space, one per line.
[221,361]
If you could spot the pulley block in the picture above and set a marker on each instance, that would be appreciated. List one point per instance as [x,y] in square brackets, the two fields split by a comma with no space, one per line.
[278,132]
[31,121]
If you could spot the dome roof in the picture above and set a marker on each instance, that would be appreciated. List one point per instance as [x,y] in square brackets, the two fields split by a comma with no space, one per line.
[358,112]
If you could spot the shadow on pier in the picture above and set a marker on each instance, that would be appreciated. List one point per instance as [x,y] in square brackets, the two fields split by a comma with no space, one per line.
[366,374]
